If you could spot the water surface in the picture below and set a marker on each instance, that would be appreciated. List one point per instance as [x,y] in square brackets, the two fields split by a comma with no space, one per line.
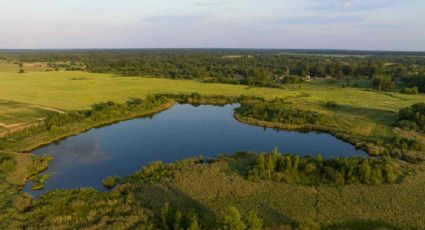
[180,132]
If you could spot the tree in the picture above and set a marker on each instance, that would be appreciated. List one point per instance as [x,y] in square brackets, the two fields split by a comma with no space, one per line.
[232,219]
[365,171]
[178,217]
[383,83]
[193,223]
[164,215]
[254,222]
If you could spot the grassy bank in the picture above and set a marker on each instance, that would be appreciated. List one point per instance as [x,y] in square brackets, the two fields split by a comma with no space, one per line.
[57,126]
[209,188]
[15,170]
[377,137]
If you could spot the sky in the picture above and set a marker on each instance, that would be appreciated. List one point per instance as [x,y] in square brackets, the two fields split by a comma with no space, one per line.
[281,24]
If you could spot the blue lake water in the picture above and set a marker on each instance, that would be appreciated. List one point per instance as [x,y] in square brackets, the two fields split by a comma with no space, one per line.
[182,131]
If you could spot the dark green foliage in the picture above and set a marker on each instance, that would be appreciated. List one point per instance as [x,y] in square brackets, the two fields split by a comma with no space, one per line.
[232,220]
[157,170]
[383,83]
[110,181]
[251,67]
[416,81]
[21,71]
[411,91]
[173,219]
[7,165]
[413,117]
[308,170]
[293,80]
[281,112]
[58,124]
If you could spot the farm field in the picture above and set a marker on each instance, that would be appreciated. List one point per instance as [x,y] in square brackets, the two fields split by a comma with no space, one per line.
[71,90]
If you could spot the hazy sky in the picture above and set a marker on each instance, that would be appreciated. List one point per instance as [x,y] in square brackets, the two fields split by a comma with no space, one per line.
[337,24]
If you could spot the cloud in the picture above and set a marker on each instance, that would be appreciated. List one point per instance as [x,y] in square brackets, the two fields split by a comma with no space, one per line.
[353,5]
[322,20]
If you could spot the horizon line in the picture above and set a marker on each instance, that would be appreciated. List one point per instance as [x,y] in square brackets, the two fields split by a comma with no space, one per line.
[211,48]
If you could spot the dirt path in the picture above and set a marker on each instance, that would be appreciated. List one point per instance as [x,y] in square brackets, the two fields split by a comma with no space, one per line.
[11,126]
[48,108]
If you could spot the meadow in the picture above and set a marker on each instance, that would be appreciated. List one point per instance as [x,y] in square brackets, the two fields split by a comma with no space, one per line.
[30,97]
[70,90]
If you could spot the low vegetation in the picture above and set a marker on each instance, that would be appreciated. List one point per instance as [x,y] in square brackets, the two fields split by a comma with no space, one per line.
[193,194]
[287,115]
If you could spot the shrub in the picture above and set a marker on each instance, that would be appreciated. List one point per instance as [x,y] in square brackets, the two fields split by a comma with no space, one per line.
[410,91]
[412,117]
[110,181]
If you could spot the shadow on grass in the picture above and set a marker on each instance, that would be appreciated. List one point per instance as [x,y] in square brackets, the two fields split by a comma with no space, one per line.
[359,224]
[154,196]
[379,116]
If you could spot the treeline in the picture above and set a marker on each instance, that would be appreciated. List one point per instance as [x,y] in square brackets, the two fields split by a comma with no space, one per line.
[58,125]
[198,99]
[416,82]
[308,170]
[283,115]
[251,67]
[280,111]
[412,117]
[230,219]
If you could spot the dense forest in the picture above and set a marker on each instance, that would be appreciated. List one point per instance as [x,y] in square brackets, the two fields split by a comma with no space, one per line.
[252,67]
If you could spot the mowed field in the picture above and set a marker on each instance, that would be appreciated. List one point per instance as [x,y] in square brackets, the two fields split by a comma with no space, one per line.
[78,90]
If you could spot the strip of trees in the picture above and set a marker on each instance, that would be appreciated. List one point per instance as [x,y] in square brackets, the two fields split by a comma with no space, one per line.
[281,112]
[252,67]
[337,171]
[230,219]
[58,124]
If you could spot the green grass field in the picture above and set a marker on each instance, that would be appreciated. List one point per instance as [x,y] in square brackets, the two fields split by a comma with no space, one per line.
[78,90]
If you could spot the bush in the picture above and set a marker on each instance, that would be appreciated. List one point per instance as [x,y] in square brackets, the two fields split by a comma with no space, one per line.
[412,117]
[383,83]
[410,91]
[110,181]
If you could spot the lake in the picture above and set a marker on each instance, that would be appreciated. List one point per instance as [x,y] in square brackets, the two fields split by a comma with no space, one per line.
[180,132]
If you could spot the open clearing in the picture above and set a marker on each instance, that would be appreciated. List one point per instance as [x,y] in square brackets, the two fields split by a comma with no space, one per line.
[79,90]
[14,115]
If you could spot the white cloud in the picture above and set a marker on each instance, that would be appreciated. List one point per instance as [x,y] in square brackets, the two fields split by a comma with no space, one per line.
[356,24]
